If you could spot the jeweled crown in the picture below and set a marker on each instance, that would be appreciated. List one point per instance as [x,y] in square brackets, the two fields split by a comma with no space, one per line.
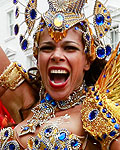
[60,17]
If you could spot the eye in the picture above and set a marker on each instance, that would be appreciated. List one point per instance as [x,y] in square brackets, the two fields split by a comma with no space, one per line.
[46,48]
[71,48]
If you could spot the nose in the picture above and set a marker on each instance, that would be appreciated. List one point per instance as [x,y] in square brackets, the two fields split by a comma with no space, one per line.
[58,56]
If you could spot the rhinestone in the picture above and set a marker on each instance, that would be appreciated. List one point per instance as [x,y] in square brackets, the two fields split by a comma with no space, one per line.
[117,126]
[43,100]
[108,50]
[58,21]
[11,147]
[100,103]
[24,70]
[104,76]
[99,19]
[116,104]
[93,114]
[67,25]
[16,29]
[53,103]
[99,5]
[107,91]
[19,65]
[41,29]
[109,23]
[48,97]
[76,28]
[24,44]
[113,120]
[17,12]
[112,133]
[100,52]
[106,29]
[74,143]
[6,133]
[21,38]
[33,14]
[104,110]
[26,128]
[15,1]
[97,97]
[105,11]
[36,141]
[93,89]
[56,147]
[81,23]
[108,17]
[108,115]
[48,130]
[49,25]
[104,136]
[62,136]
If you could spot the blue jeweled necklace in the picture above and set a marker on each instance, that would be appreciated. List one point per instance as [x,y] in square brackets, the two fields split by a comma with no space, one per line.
[47,108]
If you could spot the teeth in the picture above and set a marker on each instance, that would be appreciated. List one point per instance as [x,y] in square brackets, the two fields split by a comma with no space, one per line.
[59,71]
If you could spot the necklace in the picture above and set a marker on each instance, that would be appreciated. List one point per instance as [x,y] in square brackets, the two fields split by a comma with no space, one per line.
[48,106]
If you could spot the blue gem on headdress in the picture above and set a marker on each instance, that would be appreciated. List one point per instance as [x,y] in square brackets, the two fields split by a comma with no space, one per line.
[104,76]
[116,104]
[56,147]
[36,141]
[113,120]
[41,23]
[109,23]
[48,97]
[62,136]
[104,110]
[100,103]
[97,97]
[93,89]
[99,19]
[104,136]
[16,29]
[81,23]
[108,17]
[93,114]
[26,10]
[67,25]
[48,130]
[17,12]
[26,128]
[105,11]
[53,103]
[21,38]
[100,52]
[108,115]
[12,147]
[41,29]
[87,37]
[107,91]
[99,5]
[101,34]
[6,133]
[33,1]
[19,65]
[108,50]
[42,101]
[24,44]
[74,143]
[24,70]
[76,28]
[117,126]
[33,14]
[112,133]
[49,25]
[15,1]
[106,29]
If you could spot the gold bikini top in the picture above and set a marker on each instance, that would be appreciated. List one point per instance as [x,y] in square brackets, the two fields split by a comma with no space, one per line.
[51,137]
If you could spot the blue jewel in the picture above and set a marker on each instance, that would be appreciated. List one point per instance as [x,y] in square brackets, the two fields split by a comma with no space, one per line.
[112,133]
[101,52]
[86,90]
[21,38]
[96,94]
[108,115]
[15,1]
[46,107]
[106,29]
[105,11]
[42,101]
[108,50]
[113,120]
[53,103]
[74,143]
[32,1]
[99,5]
[99,19]
[104,76]
[117,126]
[41,29]
[100,103]
[67,25]
[97,97]
[28,5]
[104,110]
[48,130]
[17,12]
[48,97]
[107,91]
[81,23]
[116,104]
[16,29]
[56,147]
[109,23]
[76,28]
[101,34]
[33,14]
[93,114]
[62,136]
[65,148]
[87,37]
[36,141]
[108,17]
[99,138]
[49,25]
[93,88]
[19,65]
[6,133]
[104,136]
[30,77]
[41,23]
[24,70]
[26,10]
[11,147]
[26,128]
[24,44]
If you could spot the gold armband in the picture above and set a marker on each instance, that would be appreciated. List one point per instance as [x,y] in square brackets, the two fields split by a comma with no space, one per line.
[13,76]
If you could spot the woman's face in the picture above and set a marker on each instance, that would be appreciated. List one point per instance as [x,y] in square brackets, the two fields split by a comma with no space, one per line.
[62,65]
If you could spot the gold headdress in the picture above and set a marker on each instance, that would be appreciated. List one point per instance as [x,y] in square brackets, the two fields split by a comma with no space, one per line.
[61,16]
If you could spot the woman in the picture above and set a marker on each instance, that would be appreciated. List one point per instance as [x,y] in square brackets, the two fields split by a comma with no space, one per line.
[55,122]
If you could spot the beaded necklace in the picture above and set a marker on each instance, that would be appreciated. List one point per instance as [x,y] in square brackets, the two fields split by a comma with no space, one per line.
[48,106]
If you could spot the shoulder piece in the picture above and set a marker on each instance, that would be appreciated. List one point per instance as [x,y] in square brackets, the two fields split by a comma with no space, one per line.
[7,141]
[101,109]
[53,138]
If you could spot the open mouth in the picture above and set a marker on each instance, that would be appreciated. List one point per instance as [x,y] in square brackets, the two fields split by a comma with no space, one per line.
[58,77]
